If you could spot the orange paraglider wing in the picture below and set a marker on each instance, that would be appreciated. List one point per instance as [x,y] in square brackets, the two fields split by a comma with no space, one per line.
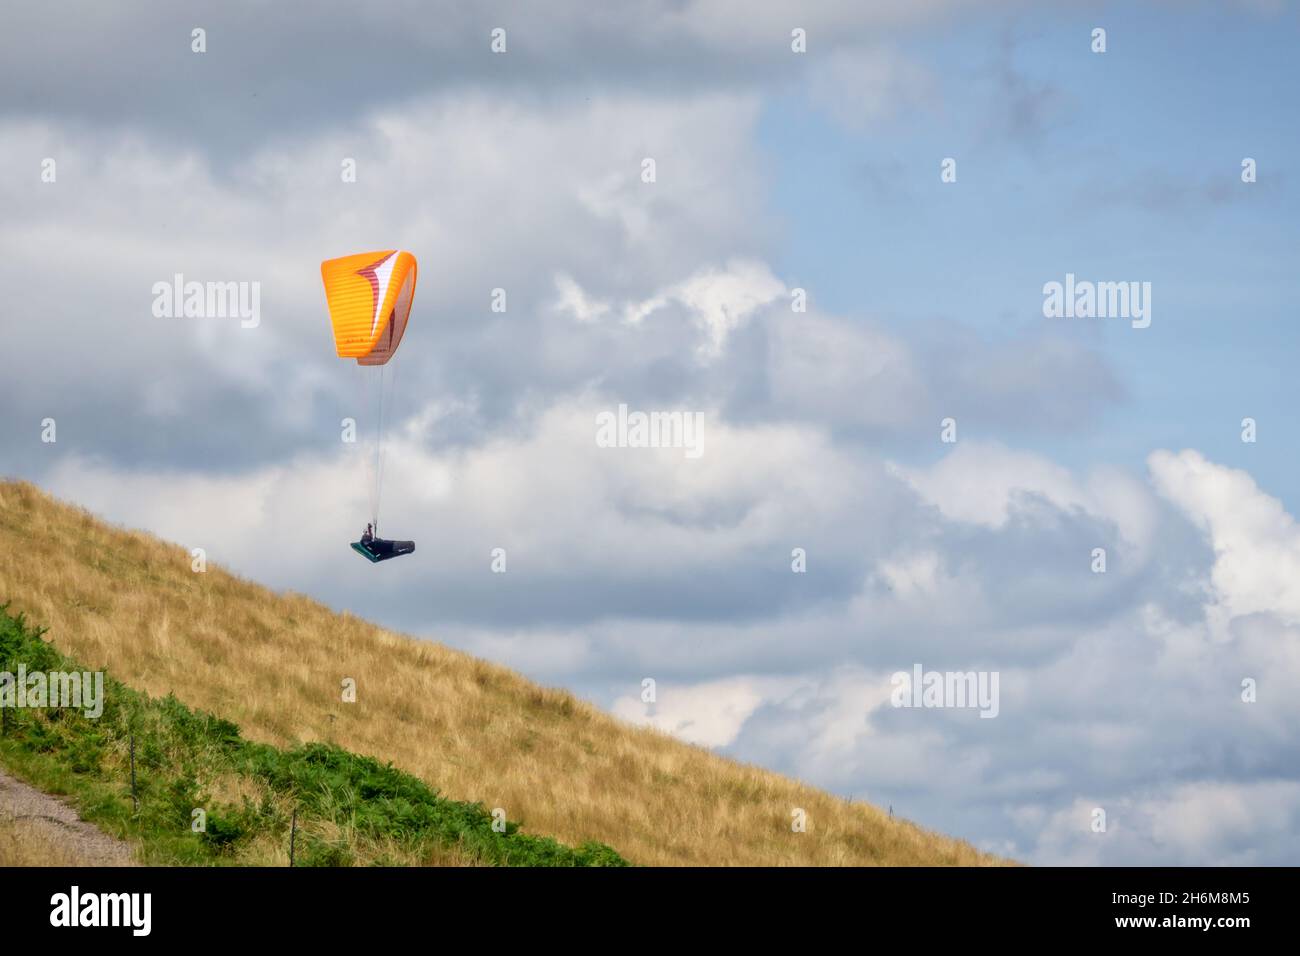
[369,296]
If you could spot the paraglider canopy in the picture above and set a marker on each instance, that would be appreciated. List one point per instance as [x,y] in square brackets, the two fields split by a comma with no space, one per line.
[370,296]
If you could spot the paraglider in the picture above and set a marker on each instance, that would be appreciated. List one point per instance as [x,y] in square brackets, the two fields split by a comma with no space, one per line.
[369,297]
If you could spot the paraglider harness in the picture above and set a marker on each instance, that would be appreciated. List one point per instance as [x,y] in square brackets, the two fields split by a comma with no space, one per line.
[375,549]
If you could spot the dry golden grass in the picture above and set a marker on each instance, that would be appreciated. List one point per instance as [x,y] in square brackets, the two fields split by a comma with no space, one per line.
[32,841]
[273,663]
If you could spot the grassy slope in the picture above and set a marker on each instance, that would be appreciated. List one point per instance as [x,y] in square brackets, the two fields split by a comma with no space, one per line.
[273,664]
[347,809]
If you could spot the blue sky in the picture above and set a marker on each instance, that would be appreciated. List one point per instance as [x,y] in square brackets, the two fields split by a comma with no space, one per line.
[1132,167]
[1121,690]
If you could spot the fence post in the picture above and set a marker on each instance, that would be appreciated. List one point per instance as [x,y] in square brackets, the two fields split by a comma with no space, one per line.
[293,835]
[135,801]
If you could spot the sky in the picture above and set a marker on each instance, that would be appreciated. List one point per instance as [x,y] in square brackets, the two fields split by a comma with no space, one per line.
[904,461]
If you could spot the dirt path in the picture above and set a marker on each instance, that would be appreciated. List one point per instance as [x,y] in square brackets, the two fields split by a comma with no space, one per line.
[37,829]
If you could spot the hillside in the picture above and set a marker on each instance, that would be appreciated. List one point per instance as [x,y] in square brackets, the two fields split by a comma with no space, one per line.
[143,767]
[272,664]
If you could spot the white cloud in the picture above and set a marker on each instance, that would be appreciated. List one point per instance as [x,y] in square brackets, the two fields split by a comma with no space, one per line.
[719,300]
[575,302]
[1256,543]
[710,714]
[1221,822]
[836,371]
[638,511]
[980,482]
